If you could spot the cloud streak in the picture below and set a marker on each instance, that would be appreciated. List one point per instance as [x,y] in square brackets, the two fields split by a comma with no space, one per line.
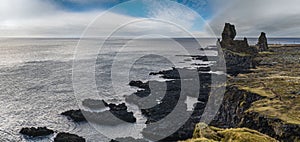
[44,18]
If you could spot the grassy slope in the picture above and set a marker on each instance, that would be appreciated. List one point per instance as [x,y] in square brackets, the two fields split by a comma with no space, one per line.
[212,134]
[280,83]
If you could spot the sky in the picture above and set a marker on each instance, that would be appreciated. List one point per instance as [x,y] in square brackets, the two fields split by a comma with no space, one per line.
[202,18]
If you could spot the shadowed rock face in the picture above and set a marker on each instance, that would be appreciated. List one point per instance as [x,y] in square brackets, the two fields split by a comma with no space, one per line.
[66,137]
[263,42]
[229,32]
[36,132]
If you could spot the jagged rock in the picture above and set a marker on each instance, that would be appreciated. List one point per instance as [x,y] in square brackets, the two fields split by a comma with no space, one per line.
[262,42]
[116,115]
[110,117]
[67,137]
[271,126]
[239,56]
[35,132]
[94,104]
[229,32]
[235,102]
[139,84]
[75,115]
[119,107]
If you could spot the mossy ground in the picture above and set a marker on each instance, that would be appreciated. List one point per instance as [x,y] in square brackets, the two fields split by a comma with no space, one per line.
[204,133]
[278,79]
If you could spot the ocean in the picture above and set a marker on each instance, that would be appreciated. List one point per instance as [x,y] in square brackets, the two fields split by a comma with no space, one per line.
[37,79]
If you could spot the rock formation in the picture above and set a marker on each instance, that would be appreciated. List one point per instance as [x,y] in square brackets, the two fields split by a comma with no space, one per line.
[238,54]
[75,115]
[262,42]
[117,114]
[229,32]
[66,137]
[36,132]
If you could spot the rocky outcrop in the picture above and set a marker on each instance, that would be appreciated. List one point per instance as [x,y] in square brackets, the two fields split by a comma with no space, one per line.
[75,115]
[239,56]
[262,42]
[67,137]
[271,126]
[36,132]
[233,114]
[234,105]
[173,94]
[117,114]
[229,32]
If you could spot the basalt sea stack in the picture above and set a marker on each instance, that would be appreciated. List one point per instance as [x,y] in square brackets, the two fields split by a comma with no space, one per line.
[238,54]
[262,42]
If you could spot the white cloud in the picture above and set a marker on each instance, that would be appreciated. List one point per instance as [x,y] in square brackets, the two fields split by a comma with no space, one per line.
[43,18]
[173,12]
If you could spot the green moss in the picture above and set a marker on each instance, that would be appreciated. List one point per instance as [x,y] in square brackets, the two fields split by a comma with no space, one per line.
[276,83]
[204,133]
[244,135]
[260,91]
[200,140]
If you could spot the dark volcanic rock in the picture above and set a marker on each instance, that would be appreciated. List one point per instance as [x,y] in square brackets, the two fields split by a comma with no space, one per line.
[75,115]
[235,102]
[119,107]
[139,84]
[116,115]
[273,127]
[35,132]
[262,42]
[229,32]
[183,84]
[66,137]
[94,104]
[110,117]
[239,56]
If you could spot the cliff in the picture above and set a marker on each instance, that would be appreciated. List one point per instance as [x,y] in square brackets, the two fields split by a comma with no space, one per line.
[265,98]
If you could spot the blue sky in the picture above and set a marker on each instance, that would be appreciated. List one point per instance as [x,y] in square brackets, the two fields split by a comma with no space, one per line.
[203,7]
[69,18]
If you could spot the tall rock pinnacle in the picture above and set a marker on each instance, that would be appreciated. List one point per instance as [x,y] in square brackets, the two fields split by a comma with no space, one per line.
[262,42]
[229,32]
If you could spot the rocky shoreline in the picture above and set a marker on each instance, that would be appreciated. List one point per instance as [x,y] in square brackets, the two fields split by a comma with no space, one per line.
[236,116]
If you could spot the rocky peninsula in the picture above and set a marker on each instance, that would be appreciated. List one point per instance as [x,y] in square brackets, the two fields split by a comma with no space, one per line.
[261,104]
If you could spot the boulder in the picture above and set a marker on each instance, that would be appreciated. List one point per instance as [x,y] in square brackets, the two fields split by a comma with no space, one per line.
[262,42]
[67,137]
[36,132]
